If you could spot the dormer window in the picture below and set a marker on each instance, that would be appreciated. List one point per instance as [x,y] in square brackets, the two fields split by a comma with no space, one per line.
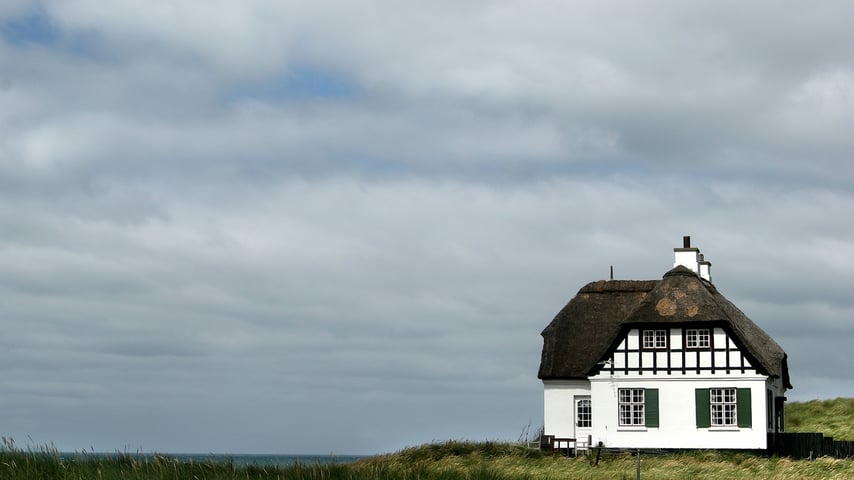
[697,338]
[655,339]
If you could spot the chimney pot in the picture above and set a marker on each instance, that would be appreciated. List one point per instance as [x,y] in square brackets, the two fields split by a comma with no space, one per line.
[686,241]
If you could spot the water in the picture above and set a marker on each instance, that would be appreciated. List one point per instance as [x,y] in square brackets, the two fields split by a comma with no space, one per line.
[238,460]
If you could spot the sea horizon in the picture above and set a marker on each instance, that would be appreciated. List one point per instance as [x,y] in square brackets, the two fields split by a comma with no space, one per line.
[239,459]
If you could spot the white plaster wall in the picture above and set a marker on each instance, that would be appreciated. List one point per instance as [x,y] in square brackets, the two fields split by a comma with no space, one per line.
[633,339]
[720,337]
[676,337]
[705,271]
[677,416]
[559,411]
[686,257]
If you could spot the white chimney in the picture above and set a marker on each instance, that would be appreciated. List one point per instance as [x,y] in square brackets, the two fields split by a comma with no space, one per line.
[705,268]
[691,258]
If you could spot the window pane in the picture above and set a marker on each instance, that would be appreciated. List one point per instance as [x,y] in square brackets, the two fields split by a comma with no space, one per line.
[695,338]
[660,339]
[703,338]
[648,339]
[631,406]
[584,413]
[625,415]
[637,415]
[723,406]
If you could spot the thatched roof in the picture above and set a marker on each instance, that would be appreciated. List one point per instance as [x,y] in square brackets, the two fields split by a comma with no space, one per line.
[592,323]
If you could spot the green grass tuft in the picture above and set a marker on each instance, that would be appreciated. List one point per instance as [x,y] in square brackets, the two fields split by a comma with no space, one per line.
[834,418]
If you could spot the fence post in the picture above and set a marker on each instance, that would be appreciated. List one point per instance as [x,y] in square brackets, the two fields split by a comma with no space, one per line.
[639,465]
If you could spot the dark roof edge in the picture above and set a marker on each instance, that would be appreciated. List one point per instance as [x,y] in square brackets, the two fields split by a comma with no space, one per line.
[555,377]
[601,286]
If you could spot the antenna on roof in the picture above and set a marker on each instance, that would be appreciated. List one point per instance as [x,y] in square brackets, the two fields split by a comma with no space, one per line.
[612,272]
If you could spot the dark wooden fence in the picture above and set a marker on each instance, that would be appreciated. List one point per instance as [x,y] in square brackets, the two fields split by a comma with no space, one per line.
[809,445]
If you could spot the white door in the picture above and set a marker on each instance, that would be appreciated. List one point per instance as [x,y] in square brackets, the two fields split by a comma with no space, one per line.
[583,418]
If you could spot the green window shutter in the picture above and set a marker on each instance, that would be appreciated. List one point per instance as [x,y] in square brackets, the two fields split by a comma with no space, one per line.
[742,396]
[650,407]
[704,414]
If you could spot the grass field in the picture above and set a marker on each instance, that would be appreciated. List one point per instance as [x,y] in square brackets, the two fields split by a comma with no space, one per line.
[448,461]
[834,418]
[469,460]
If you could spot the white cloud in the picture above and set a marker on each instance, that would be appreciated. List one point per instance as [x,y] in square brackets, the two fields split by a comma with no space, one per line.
[238,38]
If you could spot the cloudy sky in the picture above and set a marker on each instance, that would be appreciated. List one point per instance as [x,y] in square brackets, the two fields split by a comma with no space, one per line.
[316,227]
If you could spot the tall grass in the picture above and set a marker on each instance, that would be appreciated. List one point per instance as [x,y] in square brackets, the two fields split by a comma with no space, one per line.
[834,418]
[461,460]
[500,461]
[453,460]
[43,465]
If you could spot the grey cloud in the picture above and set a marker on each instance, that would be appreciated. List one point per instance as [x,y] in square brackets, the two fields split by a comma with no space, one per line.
[184,269]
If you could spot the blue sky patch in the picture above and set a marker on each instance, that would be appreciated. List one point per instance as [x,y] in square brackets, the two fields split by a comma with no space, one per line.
[297,83]
[33,28]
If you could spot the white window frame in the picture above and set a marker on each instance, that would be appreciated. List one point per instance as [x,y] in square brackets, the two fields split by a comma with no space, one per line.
[723,403]
[654,340]
[583,413]
[698,338]
[631,407]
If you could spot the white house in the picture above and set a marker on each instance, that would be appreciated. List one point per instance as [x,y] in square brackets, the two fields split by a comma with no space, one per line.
[665,363]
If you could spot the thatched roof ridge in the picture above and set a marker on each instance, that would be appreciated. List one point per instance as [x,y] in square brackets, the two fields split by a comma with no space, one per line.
[585,330]
[619,286]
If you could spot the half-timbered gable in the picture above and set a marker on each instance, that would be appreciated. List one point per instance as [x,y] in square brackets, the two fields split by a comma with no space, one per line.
[685,351]
[667,363]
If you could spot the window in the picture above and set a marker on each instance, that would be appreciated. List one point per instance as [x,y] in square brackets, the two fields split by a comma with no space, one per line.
[654,339]
[697,338]
[584,418]
[723,407]
[631,406]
